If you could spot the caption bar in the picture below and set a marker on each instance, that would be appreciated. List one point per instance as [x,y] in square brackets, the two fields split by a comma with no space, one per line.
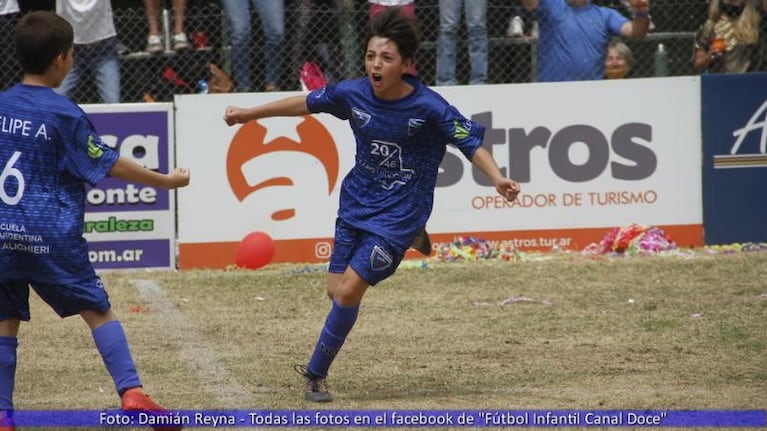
[396,418]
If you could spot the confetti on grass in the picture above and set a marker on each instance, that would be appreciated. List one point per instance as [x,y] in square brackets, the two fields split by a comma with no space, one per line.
[632,240]
[472,249]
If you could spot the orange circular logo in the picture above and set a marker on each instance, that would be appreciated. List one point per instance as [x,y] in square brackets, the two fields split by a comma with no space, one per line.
[248,144]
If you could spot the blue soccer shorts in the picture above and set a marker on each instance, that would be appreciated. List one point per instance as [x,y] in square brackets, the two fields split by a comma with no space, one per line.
[372,257]
[65,299]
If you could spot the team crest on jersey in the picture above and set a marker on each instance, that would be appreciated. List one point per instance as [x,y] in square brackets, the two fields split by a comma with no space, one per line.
[462,130]
[94,151]
[380,259]
[414,125]
[361,118]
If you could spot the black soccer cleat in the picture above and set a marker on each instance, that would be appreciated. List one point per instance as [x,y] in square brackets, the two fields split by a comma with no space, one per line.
[422,243]
[316,389]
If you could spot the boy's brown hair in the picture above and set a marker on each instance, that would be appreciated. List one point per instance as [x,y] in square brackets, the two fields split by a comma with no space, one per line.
[392,24]
[41,36]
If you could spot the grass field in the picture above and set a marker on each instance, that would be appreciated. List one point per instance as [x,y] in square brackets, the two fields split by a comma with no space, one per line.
[567,332]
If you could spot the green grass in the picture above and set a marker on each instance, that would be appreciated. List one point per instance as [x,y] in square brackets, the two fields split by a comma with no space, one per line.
[638,333]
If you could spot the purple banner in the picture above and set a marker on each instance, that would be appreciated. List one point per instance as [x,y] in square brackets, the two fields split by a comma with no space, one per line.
[148,253]
[398,418]
[142,137]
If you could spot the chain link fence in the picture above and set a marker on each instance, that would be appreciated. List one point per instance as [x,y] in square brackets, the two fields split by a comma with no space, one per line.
[333,30]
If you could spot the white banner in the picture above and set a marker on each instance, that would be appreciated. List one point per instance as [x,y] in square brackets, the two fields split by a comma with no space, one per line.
[588,155]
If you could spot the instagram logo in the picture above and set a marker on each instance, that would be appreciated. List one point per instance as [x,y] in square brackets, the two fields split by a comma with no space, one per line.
[322,250]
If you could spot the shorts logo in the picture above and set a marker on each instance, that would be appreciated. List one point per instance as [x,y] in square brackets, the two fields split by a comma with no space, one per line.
[380,259]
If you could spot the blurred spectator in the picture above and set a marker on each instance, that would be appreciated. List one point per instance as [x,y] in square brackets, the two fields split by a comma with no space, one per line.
[377,6]
[95,48]
[619,60]
[630,8]
[728,42]
[574,34]
[155,42]
[272,15]
[218,81]
[475,12]
[408,9]
[9,16]
[348,35]
[318,60]
[761,54]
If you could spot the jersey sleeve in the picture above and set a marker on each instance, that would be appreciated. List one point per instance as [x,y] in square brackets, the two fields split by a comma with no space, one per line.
[547,9]
[614,20]
[465,134]
[328,99]
[86,156]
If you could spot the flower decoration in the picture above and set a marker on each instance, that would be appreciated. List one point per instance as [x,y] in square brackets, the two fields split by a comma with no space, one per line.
[632,239]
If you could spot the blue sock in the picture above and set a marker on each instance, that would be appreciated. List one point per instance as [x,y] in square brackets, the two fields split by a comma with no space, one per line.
[337,326]
[113,346]
[7,371]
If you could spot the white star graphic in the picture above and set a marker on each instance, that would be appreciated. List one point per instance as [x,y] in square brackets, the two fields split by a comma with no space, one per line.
[281,126]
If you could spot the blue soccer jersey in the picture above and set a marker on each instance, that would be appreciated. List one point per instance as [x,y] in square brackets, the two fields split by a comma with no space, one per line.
[400,145]
[48,151]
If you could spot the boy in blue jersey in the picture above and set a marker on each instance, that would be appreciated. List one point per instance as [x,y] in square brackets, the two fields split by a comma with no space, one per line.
[401,129]
[48,151]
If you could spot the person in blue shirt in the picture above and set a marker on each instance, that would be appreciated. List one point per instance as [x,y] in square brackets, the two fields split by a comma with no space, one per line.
[401,129]
[48,151]
[574,34]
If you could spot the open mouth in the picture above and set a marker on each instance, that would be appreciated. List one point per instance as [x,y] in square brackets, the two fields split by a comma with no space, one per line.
[377,77]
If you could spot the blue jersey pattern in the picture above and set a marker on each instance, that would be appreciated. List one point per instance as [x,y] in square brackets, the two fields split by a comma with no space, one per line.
[399,147]
[48,151]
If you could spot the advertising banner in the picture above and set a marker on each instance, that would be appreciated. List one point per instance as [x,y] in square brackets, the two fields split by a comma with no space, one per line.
[131,225]
[589,156]
[734,118]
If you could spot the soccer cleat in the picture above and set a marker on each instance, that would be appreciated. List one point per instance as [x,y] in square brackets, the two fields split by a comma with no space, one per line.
[422,243]
[180,42]
[135,399]
[316,390]
[154,44]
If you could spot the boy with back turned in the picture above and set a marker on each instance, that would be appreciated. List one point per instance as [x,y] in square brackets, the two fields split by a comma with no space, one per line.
[47,154]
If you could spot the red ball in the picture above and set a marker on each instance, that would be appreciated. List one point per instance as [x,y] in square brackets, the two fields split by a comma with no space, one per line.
[255,250]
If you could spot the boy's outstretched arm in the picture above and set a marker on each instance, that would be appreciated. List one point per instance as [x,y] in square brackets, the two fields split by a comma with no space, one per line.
[505,187]
[287,107]
[128,170]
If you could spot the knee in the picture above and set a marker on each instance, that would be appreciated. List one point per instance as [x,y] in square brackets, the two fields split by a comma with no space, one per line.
[347,297]
[240,36]
[275,39]
[448,30]
[477,30]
